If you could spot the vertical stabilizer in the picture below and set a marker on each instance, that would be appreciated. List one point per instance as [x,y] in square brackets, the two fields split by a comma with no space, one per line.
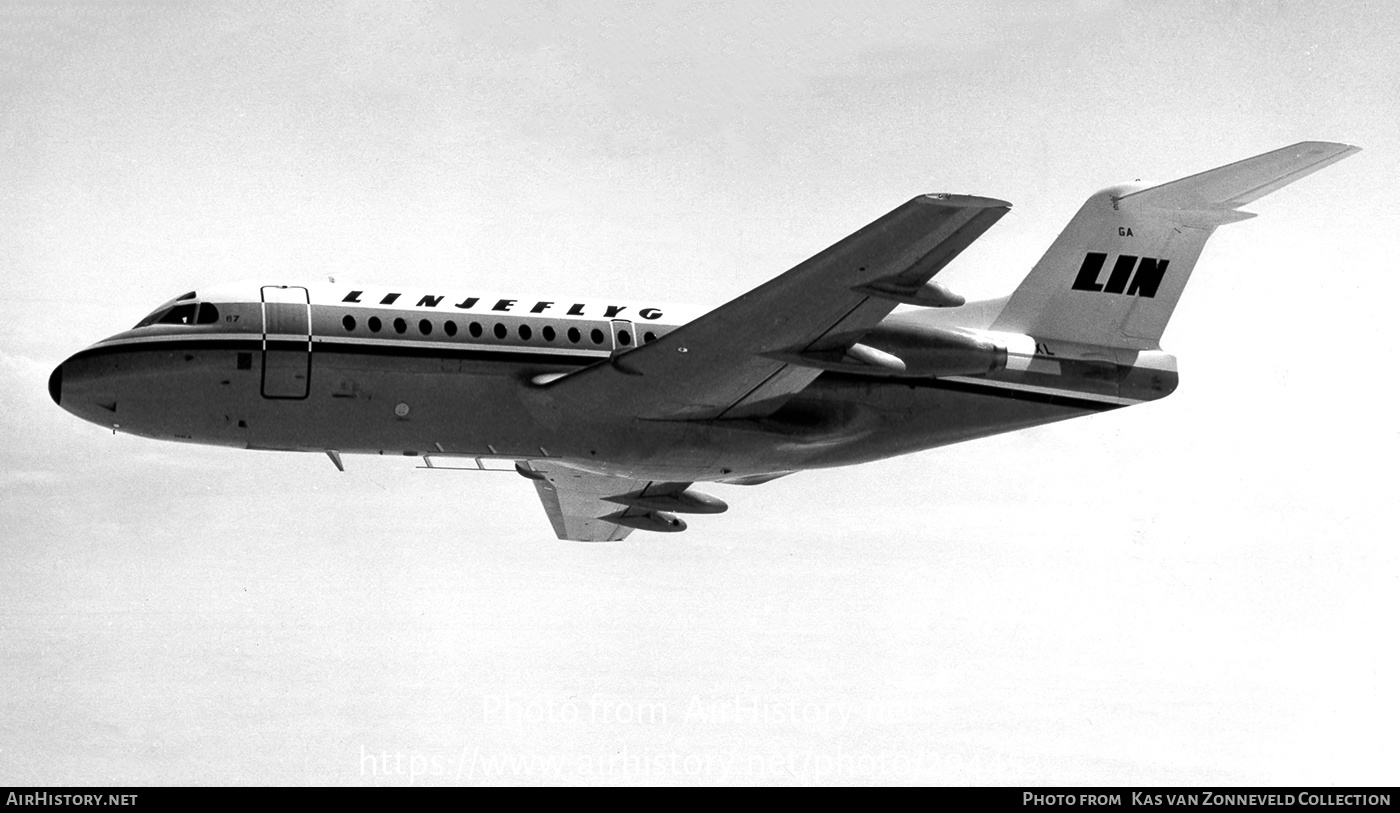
[1114,275]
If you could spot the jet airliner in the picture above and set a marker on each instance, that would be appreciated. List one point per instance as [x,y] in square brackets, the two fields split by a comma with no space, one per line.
[615,409]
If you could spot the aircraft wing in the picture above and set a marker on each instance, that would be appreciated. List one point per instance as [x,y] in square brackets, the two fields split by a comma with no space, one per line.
[738,360]
[585,507]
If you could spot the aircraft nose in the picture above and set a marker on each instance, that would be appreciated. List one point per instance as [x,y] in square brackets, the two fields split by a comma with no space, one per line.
[56,385]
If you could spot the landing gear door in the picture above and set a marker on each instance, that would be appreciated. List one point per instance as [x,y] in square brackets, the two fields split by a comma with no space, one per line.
[622,336]
[286,367]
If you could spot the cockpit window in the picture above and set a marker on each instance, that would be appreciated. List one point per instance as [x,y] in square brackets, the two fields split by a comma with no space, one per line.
[208,314]
[151,319]
[177,315]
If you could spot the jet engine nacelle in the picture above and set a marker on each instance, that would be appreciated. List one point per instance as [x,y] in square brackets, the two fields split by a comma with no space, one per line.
[905,349]
[932,352]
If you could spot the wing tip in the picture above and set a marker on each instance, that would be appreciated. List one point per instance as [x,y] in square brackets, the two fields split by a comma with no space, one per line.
[1322,153]
[1336,147]
[953,201]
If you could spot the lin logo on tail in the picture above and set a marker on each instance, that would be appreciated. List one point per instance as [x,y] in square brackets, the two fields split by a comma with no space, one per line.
[1122,279]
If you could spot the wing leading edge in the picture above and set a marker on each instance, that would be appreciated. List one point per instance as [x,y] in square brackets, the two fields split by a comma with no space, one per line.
[737,360]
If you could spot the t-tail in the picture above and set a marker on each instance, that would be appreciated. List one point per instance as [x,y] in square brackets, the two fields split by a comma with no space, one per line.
[1114,275]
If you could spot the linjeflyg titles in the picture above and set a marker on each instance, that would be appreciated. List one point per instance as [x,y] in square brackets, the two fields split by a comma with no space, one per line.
[473,303]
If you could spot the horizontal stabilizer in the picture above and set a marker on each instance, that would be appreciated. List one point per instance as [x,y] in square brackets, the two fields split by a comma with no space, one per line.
[1234,185]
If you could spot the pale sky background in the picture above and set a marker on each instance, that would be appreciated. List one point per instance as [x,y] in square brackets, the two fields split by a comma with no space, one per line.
[1198,590]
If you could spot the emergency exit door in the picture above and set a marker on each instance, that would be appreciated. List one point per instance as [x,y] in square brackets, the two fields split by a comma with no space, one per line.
[286,367]
[622,336]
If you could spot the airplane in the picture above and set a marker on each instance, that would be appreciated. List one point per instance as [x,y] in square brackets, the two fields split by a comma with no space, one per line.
[614,409]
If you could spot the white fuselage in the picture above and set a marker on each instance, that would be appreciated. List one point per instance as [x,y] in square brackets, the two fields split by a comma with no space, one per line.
[375,370]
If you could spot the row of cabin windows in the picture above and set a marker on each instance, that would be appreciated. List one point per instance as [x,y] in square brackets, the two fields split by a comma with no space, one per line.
[500,331]
[204,313]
